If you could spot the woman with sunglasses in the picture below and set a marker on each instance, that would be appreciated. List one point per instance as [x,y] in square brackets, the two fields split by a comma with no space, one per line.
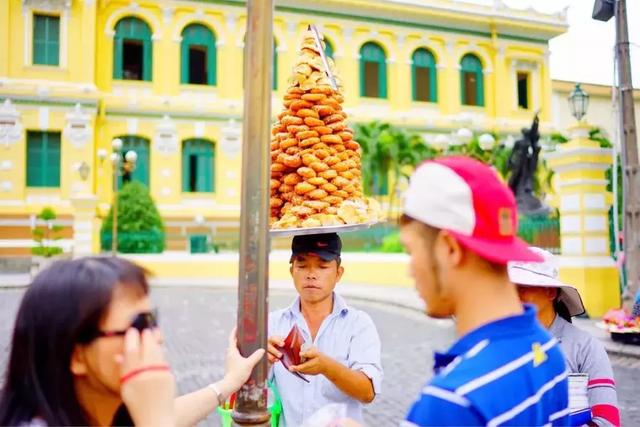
[86,351]
[586,358]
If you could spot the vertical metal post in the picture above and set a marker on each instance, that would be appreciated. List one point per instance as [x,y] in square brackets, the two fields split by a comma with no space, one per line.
[628,135]
[251,403]
[114,221]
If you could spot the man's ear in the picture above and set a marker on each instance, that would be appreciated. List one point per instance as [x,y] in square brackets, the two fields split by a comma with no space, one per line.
[340,273]
[78,365]
[449,249]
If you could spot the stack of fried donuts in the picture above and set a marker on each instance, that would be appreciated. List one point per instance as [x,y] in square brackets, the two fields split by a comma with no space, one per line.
[315,162]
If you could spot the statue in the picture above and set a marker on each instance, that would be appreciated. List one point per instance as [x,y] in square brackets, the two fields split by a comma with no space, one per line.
[523,163]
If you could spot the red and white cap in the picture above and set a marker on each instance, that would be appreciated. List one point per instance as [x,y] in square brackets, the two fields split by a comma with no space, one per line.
[468,199]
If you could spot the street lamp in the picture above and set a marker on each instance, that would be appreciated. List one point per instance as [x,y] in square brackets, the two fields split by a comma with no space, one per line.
[486,141]
[463,136]
[441,142]
[120,167]
[578,102]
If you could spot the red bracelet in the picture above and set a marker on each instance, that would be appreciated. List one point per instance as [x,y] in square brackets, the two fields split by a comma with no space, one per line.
[126,377]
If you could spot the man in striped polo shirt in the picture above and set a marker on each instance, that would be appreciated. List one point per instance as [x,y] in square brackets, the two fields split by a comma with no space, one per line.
[505,369]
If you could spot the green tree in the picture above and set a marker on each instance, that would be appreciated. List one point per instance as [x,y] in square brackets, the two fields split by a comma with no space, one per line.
[45,235]
[140,227]
[376,158]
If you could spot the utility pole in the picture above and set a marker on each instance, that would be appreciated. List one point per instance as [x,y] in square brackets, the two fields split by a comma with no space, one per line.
[631,184]
[251,404]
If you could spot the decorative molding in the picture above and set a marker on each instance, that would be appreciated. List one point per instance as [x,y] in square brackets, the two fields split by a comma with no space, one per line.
[167,13]
[10,125]
[231,139]
[6,186]
[43,118]
[292,27]
[166,191]
[6,165]
[166,137]
[347,34]
[78,128]
[231,19]
[47,5]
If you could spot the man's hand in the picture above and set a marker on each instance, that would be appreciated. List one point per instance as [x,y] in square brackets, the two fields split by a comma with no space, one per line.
[316,362]
[273,353]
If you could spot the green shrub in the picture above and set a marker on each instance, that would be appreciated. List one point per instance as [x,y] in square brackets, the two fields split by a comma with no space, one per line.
[47,234]
[392,244]
[140,227]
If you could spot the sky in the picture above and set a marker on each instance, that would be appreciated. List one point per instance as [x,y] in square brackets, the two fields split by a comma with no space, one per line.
[585,52]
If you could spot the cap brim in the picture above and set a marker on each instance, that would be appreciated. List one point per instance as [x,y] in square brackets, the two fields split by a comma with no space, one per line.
[324,255]
[500,252]
[569,295]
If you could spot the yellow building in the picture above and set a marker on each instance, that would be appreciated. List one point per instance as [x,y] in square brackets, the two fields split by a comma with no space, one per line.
[166,78]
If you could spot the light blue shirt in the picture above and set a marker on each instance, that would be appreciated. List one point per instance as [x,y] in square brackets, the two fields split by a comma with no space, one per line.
[348,336]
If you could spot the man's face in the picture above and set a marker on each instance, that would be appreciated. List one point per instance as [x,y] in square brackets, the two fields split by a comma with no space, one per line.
[314,278]
[541,297]
[425,269]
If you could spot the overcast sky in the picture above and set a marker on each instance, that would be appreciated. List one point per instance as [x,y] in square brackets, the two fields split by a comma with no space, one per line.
[585,52]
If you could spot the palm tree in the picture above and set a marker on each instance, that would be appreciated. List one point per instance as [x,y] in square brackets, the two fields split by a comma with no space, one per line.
[376,158]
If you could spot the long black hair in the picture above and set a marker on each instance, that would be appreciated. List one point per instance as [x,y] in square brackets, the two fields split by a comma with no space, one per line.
[62,307]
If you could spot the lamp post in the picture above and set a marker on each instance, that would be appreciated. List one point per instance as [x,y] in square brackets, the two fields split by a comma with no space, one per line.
[120,167]
[578,102]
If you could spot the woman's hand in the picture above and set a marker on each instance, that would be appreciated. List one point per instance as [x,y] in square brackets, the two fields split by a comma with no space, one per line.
[147,385]
[237,368]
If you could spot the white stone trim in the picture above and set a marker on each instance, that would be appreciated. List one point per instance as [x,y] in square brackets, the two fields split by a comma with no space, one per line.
[65,244]
[572,182]
[43,118]
[586,262]
[570,203]
[580,166]
[198,203]
[570,223]
[136,11]
[571,245]
[198,18]
[595,245]
[564,152]
[594,201]
[595,223]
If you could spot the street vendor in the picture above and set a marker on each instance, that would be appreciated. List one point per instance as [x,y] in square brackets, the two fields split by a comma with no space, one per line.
[557,303]
[341,350]
[459,229]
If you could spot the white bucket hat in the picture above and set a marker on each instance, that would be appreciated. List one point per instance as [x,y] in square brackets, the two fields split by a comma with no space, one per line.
[545,274]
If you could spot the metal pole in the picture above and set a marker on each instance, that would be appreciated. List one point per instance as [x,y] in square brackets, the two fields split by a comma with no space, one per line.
[630,149]
[251,403]
[114,222]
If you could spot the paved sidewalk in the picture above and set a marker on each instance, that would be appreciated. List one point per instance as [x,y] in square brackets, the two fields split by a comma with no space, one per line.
[391,295]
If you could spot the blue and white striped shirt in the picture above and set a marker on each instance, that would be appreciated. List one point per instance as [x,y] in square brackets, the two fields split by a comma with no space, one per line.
[508,372]
[348,336]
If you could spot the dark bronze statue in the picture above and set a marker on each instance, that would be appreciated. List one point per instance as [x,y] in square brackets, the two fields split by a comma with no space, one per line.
[523,163]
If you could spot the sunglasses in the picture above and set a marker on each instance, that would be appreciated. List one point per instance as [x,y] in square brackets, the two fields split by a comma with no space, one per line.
[141,321]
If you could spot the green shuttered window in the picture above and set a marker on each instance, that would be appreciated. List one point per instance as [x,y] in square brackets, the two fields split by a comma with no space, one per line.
[471,81]
[198,166]
[373,71]
[423,76]
[43,159]
[46,40]
[132,50]
[198,56]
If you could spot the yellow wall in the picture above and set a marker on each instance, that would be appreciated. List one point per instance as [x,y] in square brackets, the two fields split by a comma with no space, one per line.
[121,107]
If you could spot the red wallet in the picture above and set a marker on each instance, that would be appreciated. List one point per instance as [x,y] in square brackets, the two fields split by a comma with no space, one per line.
[291,350]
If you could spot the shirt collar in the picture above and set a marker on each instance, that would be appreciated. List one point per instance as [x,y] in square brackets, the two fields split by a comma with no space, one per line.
[507,326]
[339,306]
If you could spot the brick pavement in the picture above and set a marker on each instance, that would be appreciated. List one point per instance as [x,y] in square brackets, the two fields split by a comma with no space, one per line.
[196,322]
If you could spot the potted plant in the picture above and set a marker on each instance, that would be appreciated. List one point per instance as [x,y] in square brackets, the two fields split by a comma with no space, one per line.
[45,236]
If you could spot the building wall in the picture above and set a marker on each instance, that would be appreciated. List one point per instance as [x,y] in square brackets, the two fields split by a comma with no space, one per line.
[81,99]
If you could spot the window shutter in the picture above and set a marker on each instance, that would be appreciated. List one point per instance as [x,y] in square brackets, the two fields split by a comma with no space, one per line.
[34,159]
[186,168]
[52,144]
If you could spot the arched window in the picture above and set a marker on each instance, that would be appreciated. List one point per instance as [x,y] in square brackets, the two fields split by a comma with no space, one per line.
[328,48]
[471,81]
[373,71]
[132,52]
[423,76]
[141,171]
[198,56]
[198,166]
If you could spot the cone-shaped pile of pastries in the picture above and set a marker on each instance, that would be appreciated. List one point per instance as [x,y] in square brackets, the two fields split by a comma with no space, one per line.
[315,162]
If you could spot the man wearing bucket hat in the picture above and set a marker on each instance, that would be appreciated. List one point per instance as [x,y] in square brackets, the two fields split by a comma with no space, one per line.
[459,228]
[557,303]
